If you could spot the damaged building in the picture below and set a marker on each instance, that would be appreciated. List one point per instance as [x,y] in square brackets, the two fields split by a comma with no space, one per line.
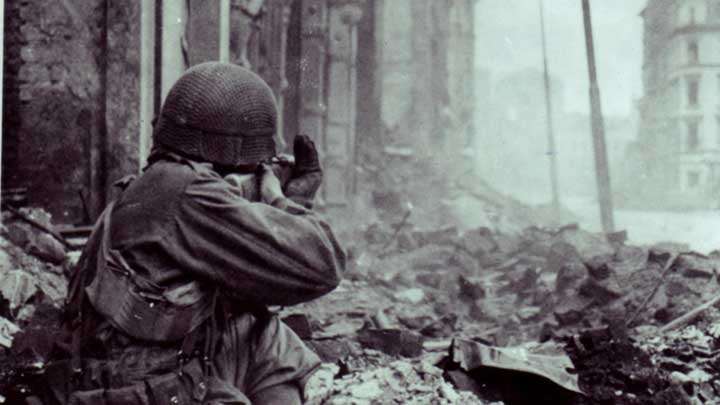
[677,151]
[83,81]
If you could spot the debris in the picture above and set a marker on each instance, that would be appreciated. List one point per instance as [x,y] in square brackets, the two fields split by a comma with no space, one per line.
[17,287]
[570,276]
[412,295]
[478,242]
[28,218]
[601,291]
[471,288]
[571,310]
[392,341]
[319,386]
[668,265]
[472,355]
[495,373]
[690,316]
[7,330]
[444,326]
[614,370]
[697,265]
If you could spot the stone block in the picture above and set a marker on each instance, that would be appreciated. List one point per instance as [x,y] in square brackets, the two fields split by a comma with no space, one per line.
[333,350]
[695,265]
[588,245]
[471,289]
[571,310]
[599,267]
[431,279]
[561,253]
[569,277]
[601,291]
[445,236]
[392,341]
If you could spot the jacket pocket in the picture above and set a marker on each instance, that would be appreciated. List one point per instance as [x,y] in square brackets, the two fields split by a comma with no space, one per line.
[134,394]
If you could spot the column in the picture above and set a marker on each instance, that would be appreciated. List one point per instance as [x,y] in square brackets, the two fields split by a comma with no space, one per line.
[312,75]
[341,101]
[122,93]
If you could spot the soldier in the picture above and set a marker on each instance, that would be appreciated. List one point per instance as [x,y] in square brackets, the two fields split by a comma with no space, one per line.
[169,301]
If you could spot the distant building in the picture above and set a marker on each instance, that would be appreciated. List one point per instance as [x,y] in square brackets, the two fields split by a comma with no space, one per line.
[678,146]
[513,144]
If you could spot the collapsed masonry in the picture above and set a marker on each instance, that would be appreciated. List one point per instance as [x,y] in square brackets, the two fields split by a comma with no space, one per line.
[424,311]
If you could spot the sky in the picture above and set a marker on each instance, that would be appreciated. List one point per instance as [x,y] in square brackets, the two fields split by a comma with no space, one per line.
[508,39]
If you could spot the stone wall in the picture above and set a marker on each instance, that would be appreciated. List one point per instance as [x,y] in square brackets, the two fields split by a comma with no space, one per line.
[54,109]
[13,42]
[72,85]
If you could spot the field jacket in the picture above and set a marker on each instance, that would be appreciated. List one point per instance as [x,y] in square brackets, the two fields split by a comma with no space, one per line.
[180,235]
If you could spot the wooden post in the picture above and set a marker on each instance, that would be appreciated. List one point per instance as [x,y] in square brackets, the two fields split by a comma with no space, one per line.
[598,130]
[552,155]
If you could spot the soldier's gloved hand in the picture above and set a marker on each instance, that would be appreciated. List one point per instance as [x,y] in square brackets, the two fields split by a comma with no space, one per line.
[247,183]
[270,189]
[306,176]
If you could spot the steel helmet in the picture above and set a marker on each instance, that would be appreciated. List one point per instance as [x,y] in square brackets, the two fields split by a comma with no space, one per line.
[220,113]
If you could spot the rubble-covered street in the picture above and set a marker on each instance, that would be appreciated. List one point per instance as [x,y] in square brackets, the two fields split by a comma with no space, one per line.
[453,316]
[448,202]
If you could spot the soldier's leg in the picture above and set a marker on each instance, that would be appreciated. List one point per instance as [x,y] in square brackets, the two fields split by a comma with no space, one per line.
[267,364]
[283,394]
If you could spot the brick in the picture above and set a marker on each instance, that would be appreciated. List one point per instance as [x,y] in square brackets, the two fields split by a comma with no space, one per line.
[392,341]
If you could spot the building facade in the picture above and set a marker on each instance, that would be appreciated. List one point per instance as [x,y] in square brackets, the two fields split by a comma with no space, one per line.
[83,80]
[678,146]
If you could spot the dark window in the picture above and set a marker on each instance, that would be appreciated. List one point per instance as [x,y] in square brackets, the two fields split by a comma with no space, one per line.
[693,52]
[693,137]
[692,91]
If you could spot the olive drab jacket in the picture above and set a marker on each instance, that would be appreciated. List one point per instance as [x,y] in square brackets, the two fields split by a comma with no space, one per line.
[180,234]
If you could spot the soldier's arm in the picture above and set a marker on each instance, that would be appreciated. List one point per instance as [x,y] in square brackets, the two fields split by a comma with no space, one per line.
[272,254]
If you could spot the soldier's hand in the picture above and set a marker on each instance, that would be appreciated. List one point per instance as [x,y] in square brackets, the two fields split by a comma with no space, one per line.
[270,189]
[306,175]
[247,183]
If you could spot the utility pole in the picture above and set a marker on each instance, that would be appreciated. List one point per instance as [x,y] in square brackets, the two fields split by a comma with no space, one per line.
[549,118]
[598,130]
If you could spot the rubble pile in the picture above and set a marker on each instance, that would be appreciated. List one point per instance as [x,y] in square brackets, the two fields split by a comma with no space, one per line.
[417,381]
[411,292]
[691,357]
[450,315]
[33,284]
[613,369]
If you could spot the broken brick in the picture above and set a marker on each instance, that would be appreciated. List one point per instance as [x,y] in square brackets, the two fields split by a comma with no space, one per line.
[696,265]
[601,291]
[571,310]
[599,267]
[570,276]
[392,341]
[561,253]
[471,289]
